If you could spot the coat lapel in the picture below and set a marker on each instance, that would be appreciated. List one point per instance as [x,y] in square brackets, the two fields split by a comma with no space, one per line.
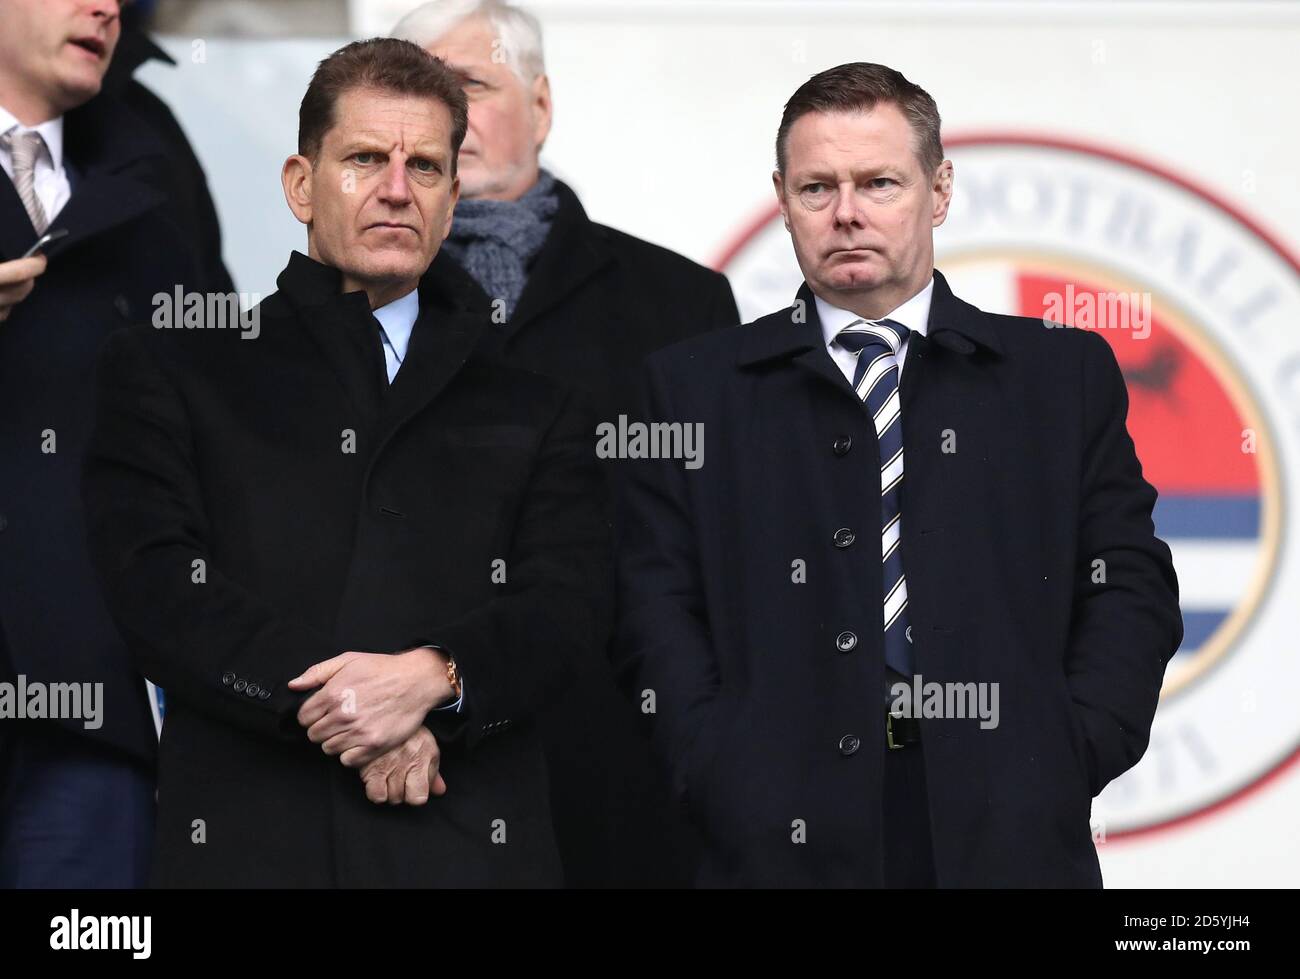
[781,336]
[442,341]
[16,231]
[951,317]
[109,148]
[947,364]
[100,203]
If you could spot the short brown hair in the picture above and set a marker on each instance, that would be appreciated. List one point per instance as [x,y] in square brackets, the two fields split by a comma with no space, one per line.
[389,65]
[859,87]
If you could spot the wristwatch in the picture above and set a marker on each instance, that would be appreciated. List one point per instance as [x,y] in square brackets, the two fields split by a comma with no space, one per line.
[453,677]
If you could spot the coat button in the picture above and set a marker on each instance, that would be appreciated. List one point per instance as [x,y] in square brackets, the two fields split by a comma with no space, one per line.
[845,641]
[227,679]
[239,686]
[842,445]
[264,694]
[844,537]
[849,744]
[252,690]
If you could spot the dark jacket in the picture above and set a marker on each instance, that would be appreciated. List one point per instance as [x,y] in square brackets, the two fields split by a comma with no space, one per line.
[123,248]
[214,448]
[182,178]
[767,717]
[597,301]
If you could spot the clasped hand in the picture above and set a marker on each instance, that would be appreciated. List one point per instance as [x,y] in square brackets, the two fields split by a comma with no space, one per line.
[369,710]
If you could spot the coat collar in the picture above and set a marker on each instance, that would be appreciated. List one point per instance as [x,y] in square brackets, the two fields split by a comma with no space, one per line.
[339,323]
[347,333]
[442,342]
[134,48]
[796,330]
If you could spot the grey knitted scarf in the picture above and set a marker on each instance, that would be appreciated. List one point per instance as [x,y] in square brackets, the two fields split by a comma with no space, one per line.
[495,240]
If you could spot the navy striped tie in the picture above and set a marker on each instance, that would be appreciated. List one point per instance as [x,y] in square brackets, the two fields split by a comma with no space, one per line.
[876,344]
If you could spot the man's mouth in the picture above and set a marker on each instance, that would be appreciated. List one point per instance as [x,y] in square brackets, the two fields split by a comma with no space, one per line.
[394,225]
[92,44]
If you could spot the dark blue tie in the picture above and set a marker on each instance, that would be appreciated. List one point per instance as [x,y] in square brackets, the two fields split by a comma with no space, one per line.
[876,344]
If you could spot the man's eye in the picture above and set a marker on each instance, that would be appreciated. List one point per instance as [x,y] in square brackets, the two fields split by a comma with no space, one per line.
[425,166]
[881,182]
[814,188]
[363,158]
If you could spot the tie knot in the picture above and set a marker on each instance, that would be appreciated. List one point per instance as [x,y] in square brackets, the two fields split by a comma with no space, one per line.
[860,334]
[24,146]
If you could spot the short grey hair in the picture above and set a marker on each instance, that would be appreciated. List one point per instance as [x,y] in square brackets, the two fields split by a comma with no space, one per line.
[518,31]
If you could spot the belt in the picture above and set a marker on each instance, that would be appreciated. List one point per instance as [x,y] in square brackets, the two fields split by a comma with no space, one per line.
[899,731]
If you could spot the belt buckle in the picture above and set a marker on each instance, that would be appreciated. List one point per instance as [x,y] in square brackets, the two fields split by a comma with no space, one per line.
[889,731]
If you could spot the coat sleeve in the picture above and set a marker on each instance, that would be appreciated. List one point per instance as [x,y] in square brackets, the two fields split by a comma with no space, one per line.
[663,647]
[1125,624]
[191,629]
[519,651]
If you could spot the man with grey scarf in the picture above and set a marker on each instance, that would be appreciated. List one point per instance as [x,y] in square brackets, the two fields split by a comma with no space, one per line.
[583,303]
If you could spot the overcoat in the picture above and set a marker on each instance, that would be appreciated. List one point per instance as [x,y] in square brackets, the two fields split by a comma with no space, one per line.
[257,505]
[738,590]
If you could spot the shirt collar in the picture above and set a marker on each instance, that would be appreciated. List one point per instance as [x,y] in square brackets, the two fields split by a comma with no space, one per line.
[398,320]
[51,131]
[913,314]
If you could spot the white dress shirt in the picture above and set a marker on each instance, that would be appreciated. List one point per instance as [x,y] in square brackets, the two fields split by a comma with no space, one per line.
[913,314]
[396,321]
[50,179]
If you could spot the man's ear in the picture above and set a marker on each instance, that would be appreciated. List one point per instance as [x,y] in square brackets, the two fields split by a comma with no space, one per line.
[295,177]
[779,185]
[943,179]
[541,101]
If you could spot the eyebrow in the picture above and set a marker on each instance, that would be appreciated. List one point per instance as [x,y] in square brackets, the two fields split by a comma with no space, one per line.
[369,144]
[817,174]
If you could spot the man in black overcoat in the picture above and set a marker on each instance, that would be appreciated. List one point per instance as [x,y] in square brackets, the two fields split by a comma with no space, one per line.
[358,556]
[878,670]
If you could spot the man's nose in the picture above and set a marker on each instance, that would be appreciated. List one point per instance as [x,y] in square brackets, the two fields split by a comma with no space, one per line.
[848,211]
[106,9]
[396,187]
